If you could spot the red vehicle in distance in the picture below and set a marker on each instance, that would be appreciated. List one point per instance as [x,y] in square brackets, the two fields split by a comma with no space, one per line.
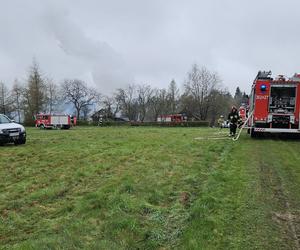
[55,121]
[172,118]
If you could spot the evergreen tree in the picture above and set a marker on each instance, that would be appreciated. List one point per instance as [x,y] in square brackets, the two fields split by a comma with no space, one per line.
[238,96]
[34,94]
[173,93]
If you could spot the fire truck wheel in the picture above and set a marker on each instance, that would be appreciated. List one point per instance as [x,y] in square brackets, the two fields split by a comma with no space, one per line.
[42,126]
[253,134]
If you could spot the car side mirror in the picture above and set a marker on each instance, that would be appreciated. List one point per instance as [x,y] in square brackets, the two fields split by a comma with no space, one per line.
[12,120]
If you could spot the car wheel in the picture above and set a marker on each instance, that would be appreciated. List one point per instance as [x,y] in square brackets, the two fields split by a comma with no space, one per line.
[20,141]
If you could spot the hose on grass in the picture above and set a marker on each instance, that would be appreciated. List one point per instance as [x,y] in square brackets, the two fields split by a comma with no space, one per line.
[241,129]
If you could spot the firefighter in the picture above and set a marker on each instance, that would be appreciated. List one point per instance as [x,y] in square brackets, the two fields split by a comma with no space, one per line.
[221,121]
[233,118]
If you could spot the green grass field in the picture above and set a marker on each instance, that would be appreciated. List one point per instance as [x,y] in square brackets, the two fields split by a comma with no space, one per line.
[149,188]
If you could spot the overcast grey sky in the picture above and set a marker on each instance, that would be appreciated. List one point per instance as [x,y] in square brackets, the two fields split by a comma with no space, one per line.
[113,43]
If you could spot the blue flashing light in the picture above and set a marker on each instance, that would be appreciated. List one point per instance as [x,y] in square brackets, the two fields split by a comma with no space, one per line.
[263,87]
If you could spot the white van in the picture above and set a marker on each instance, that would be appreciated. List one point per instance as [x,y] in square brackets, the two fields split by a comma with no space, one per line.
[11,131]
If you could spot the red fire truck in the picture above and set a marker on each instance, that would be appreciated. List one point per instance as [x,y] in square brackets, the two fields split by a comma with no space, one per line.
[243,112]
[55,121]
[274,104]
[172,118]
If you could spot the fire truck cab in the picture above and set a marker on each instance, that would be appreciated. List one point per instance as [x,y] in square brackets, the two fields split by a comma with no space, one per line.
[274,104]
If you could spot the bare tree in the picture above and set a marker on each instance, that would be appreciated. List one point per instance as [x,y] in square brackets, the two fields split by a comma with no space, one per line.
[127,98]
[111,105]
[221,101]
[76,92]
[144,93]
[16,96]
[5,100]
[159,103]
[198,88]
[52,95]
[85,111]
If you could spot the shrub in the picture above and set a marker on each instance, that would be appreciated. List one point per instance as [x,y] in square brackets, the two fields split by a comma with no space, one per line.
[145,124]
[172,124]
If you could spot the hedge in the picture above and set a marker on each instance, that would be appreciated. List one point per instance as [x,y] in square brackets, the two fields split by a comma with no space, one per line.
[172,124]
[144,124]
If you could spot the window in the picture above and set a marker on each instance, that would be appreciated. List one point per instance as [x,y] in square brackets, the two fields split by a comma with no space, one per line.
[4,119]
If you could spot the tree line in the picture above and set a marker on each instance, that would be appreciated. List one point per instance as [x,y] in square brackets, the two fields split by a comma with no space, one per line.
[202,97]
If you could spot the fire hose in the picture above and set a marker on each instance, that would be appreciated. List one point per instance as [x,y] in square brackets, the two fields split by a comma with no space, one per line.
[243,126]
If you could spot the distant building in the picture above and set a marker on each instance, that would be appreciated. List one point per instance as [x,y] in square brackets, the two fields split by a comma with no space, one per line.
[103,115]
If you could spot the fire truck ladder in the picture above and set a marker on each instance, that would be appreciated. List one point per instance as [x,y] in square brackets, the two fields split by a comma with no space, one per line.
[243,126]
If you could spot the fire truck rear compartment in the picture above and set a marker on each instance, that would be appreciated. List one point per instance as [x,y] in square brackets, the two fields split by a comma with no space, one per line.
[282,105]
[282,99]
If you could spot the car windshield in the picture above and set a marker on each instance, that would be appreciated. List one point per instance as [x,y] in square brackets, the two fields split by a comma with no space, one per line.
[4,119]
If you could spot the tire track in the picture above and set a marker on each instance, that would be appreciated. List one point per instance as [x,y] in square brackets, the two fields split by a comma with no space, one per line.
[271,180]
